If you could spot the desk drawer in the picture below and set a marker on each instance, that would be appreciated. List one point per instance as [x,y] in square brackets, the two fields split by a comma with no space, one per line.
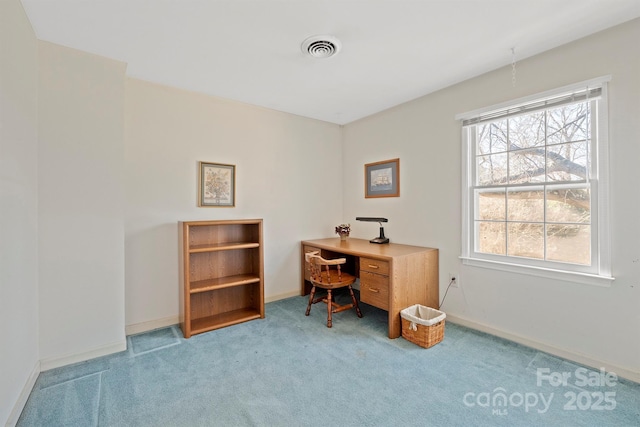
[374,289]
[374,265]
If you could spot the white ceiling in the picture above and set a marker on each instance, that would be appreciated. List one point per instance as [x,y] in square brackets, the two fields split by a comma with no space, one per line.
[393,51]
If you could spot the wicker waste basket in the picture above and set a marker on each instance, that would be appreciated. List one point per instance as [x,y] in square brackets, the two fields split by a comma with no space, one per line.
[422,325]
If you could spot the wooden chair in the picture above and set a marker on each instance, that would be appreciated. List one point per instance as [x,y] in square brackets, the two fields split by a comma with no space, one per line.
[329,279]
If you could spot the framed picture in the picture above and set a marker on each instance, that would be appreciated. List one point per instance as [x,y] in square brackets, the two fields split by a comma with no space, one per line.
[382,179]
[217,185]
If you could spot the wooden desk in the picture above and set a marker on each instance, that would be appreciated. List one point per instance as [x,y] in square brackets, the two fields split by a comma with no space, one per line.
[392,276]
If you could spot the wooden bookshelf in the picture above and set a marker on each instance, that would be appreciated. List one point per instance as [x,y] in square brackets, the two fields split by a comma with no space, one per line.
[221,274]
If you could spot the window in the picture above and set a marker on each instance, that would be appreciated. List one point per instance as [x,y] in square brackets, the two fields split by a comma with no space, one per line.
[535,184]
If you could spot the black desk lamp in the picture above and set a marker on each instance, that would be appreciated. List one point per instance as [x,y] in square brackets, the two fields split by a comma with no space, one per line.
[380,239]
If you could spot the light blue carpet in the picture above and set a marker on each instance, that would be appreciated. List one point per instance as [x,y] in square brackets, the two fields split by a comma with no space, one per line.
[291,370]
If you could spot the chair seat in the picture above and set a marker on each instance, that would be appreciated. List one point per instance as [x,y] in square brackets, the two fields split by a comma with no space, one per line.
[334,280]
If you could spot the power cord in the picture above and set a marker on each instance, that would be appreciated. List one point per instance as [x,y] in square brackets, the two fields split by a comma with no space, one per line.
[453,279]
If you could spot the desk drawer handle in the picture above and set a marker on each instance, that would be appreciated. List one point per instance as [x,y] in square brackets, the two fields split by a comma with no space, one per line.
[374,290]
[373,266]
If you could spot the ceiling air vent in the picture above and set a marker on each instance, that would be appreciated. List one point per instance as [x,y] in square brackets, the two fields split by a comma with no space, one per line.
[321,46]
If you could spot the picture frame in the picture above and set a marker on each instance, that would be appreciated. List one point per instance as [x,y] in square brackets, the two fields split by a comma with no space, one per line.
[382,179]
[216,185]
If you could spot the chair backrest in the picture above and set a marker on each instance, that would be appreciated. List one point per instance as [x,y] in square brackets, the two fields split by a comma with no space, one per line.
[316,262]
[314,258]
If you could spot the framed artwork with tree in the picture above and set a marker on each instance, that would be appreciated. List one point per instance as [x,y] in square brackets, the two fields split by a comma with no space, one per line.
[217,185]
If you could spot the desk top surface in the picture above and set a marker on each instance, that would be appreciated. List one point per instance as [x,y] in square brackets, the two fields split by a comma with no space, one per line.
[362,247]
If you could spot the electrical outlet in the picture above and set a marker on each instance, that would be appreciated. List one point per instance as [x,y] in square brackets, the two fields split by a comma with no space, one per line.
[454,280]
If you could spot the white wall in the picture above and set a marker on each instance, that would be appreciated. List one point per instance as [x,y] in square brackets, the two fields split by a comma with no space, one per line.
[288,172]
[18,208]
[97,203]
[81,227]
[592,324]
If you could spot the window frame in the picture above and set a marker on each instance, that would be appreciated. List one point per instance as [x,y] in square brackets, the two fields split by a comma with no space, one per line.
[599,272]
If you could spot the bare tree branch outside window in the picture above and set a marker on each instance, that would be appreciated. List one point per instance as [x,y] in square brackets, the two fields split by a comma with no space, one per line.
[532,185]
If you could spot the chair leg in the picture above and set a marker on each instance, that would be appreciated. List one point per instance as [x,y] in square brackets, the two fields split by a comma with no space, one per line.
[311,295]
[355,302]
[329,309]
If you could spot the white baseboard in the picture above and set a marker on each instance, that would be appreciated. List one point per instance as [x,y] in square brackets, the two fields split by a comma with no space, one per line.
[559,352]
[56,362]
[273,298]
[138,328]
[24,396]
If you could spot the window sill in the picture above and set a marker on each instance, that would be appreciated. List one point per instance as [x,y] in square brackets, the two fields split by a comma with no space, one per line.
[568,276]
